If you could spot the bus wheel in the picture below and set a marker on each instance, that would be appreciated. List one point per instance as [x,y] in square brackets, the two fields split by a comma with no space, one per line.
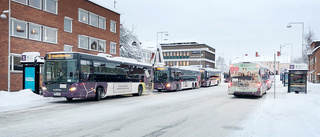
[139,91]
[98,94]
[69,99]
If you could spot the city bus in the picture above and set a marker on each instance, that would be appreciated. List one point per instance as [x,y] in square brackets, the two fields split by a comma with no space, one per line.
[226,76]
[80,75]
[210,77]
[176,78]
[248,78]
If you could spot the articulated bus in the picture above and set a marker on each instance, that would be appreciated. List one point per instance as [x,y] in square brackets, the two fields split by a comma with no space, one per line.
[176,78]
[248,78]
[79,75]
[210,77]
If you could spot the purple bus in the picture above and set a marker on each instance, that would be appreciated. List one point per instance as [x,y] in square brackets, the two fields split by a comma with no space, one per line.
[210,77]
[79,75]
[176,78]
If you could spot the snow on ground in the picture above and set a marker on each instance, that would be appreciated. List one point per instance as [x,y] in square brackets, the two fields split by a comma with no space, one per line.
[289,114]
[21,100]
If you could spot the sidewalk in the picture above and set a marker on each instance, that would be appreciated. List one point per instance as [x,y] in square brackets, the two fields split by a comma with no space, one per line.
[289,114]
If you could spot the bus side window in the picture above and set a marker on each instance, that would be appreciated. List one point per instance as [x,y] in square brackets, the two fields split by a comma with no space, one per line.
[86,70]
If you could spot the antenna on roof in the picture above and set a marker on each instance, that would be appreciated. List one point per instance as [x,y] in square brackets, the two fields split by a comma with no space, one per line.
[114,3]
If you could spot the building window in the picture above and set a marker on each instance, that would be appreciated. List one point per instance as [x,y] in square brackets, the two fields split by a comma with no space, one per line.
[102,46]
[102,22]
[67,48]
[35,3]
[51,6]
[83,42]
[83,16]
[93,44]
[34,32]
[93,19]
[50,35]
[15,64]
[113,47]
[113,26]
[19,28]
[68,24]
[21,1]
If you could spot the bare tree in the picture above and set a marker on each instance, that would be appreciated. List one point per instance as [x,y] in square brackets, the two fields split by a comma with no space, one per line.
[221,64]
[309,37]
[130,46]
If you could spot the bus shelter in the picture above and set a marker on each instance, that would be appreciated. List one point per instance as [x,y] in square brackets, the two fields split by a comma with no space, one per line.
[297,81]
[31,70]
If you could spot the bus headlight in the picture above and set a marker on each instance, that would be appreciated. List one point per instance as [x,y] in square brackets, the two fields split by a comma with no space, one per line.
[168,85]
[73,89]
[44,88]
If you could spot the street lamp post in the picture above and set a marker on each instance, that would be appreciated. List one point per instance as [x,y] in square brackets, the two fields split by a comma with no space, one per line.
[283,45]
[159,50]
[302,24]
[9,26]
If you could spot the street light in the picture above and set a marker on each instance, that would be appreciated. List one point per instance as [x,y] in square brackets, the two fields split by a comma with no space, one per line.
[166,34]
[159,49]
[3,16]
[302,24]
[283,45]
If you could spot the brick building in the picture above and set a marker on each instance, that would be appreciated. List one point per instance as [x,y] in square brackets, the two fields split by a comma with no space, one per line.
[54,25]
[314,65]
[188,54]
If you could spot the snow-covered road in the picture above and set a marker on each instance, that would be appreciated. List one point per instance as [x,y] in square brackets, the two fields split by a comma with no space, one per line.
[199,112]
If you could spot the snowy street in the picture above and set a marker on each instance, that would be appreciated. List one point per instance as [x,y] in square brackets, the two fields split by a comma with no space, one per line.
[200,112]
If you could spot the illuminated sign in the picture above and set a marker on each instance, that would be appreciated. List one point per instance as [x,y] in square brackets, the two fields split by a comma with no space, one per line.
[160,68]
[60,56]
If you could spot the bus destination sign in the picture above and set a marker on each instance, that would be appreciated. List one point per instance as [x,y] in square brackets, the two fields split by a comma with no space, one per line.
[60,56]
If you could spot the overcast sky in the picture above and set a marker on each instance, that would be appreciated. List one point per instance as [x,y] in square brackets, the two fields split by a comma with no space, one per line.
[232,27]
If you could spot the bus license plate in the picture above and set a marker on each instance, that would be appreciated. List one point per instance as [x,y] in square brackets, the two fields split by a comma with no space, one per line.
[57,94]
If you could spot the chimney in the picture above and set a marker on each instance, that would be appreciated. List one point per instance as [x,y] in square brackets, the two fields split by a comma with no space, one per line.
[245,54]
[278,53]
[257,55]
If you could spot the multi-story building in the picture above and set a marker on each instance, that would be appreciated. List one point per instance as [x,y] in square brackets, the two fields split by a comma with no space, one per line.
[146,55]
[54,25]
[314,66]
[188,54]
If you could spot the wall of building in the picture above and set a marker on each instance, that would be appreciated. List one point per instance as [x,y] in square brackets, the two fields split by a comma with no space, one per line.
[197,57]
[66,8]
[314,65]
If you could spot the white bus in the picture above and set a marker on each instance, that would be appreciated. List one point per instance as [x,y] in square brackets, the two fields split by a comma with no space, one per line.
[80,75]
[248,78]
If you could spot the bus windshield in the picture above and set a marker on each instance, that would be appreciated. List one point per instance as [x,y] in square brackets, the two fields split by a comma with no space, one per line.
[61,71]
[161,75]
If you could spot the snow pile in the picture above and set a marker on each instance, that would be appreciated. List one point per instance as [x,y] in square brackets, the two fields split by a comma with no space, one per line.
[20,100]
[289,114]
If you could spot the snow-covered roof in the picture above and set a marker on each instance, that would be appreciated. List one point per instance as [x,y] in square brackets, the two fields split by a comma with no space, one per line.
[104,5]
[315,49]
[187,68]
